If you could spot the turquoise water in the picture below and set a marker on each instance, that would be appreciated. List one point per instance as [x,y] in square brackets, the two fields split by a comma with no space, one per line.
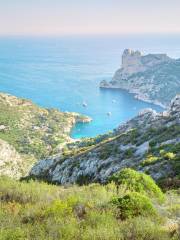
[63,72]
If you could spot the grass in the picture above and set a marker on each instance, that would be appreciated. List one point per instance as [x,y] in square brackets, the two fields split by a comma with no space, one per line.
[35,211]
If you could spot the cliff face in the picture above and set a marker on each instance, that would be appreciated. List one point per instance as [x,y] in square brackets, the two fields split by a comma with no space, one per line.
[149,142]
[153,77]
[33,132]
[134,61]
[11,163]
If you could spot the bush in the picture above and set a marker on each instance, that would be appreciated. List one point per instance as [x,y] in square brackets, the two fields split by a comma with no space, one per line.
[169,155]
[59,208]
[149,160]
[142,228]
[137,182]
[129,153]
[133,205]
[35,210]
[12,234]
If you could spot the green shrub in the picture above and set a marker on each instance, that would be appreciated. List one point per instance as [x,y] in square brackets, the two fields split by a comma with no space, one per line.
[60,208]
[133,205]
[169,155]
[129,153]
[137,182]
[143,228]
[149,160]
[100,226]
[12,234]
[38,211]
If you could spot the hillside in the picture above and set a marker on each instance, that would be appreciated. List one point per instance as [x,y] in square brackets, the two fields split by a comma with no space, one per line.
[11,163]
[149,142]
[153,77]
[31,131]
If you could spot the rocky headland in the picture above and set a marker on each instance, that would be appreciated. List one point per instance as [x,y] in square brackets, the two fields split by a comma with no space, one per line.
[153,78]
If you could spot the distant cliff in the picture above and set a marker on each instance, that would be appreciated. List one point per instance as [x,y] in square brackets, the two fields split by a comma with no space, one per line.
[149,142]
[153,77]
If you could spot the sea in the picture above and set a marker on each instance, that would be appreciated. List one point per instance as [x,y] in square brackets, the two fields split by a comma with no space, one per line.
[64,72]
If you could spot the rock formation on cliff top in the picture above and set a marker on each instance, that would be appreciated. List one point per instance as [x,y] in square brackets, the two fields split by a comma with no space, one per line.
[153,77]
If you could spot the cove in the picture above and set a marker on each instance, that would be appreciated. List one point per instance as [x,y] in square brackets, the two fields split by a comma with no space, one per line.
[64,72]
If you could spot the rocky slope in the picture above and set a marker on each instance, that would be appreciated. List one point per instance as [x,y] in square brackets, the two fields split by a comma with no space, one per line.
[153,77]
[149,142]
[32,132]
[11,163]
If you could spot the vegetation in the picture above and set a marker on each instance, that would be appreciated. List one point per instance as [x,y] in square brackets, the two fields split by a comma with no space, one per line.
[133,204]
[36,211]
[137,182]
[129,207]
[150,159]
[35,132]
[31,129]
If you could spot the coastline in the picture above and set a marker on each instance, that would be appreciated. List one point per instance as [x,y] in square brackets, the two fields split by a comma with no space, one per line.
[137,95]
[79,118]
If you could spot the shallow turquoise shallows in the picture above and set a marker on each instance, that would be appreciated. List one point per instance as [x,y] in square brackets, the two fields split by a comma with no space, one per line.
[64,73]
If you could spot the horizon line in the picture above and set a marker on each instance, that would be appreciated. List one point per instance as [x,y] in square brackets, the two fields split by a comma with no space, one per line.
[84,34]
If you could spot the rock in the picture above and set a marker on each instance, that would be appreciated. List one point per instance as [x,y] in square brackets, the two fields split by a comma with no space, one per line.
[2,128]
[148,77]
[104,84]
[142,149]
[11,163]
[175,103]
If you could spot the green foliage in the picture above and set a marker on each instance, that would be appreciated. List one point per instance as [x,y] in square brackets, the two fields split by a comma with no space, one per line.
[33,130]
[149,160]
[143,228]
[36,211]
[137,182]
[167,155]
[12,234]
[129,153]
[108,150]
[83,179]
[132,205]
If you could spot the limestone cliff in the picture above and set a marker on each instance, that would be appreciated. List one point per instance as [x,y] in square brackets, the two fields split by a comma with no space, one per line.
[153,77]
[149,142]
[11,163]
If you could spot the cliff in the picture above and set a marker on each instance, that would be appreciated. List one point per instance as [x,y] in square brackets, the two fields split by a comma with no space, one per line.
[153,77]
[11,163]
[149,142]
[31,133]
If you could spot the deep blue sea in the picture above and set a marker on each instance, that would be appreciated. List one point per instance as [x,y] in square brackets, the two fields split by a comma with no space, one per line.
[64,72]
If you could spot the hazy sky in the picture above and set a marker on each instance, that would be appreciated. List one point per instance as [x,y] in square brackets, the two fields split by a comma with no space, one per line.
[88,16]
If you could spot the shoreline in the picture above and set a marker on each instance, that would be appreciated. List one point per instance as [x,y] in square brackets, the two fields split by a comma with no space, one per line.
[137,95]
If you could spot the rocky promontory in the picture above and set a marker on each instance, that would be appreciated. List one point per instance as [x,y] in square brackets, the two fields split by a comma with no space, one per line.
[153,78]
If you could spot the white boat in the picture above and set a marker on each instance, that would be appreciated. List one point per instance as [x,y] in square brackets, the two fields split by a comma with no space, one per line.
[84,104]
[109,113]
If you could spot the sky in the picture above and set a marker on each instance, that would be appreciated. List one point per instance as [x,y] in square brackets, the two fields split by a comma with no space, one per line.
[61,17]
